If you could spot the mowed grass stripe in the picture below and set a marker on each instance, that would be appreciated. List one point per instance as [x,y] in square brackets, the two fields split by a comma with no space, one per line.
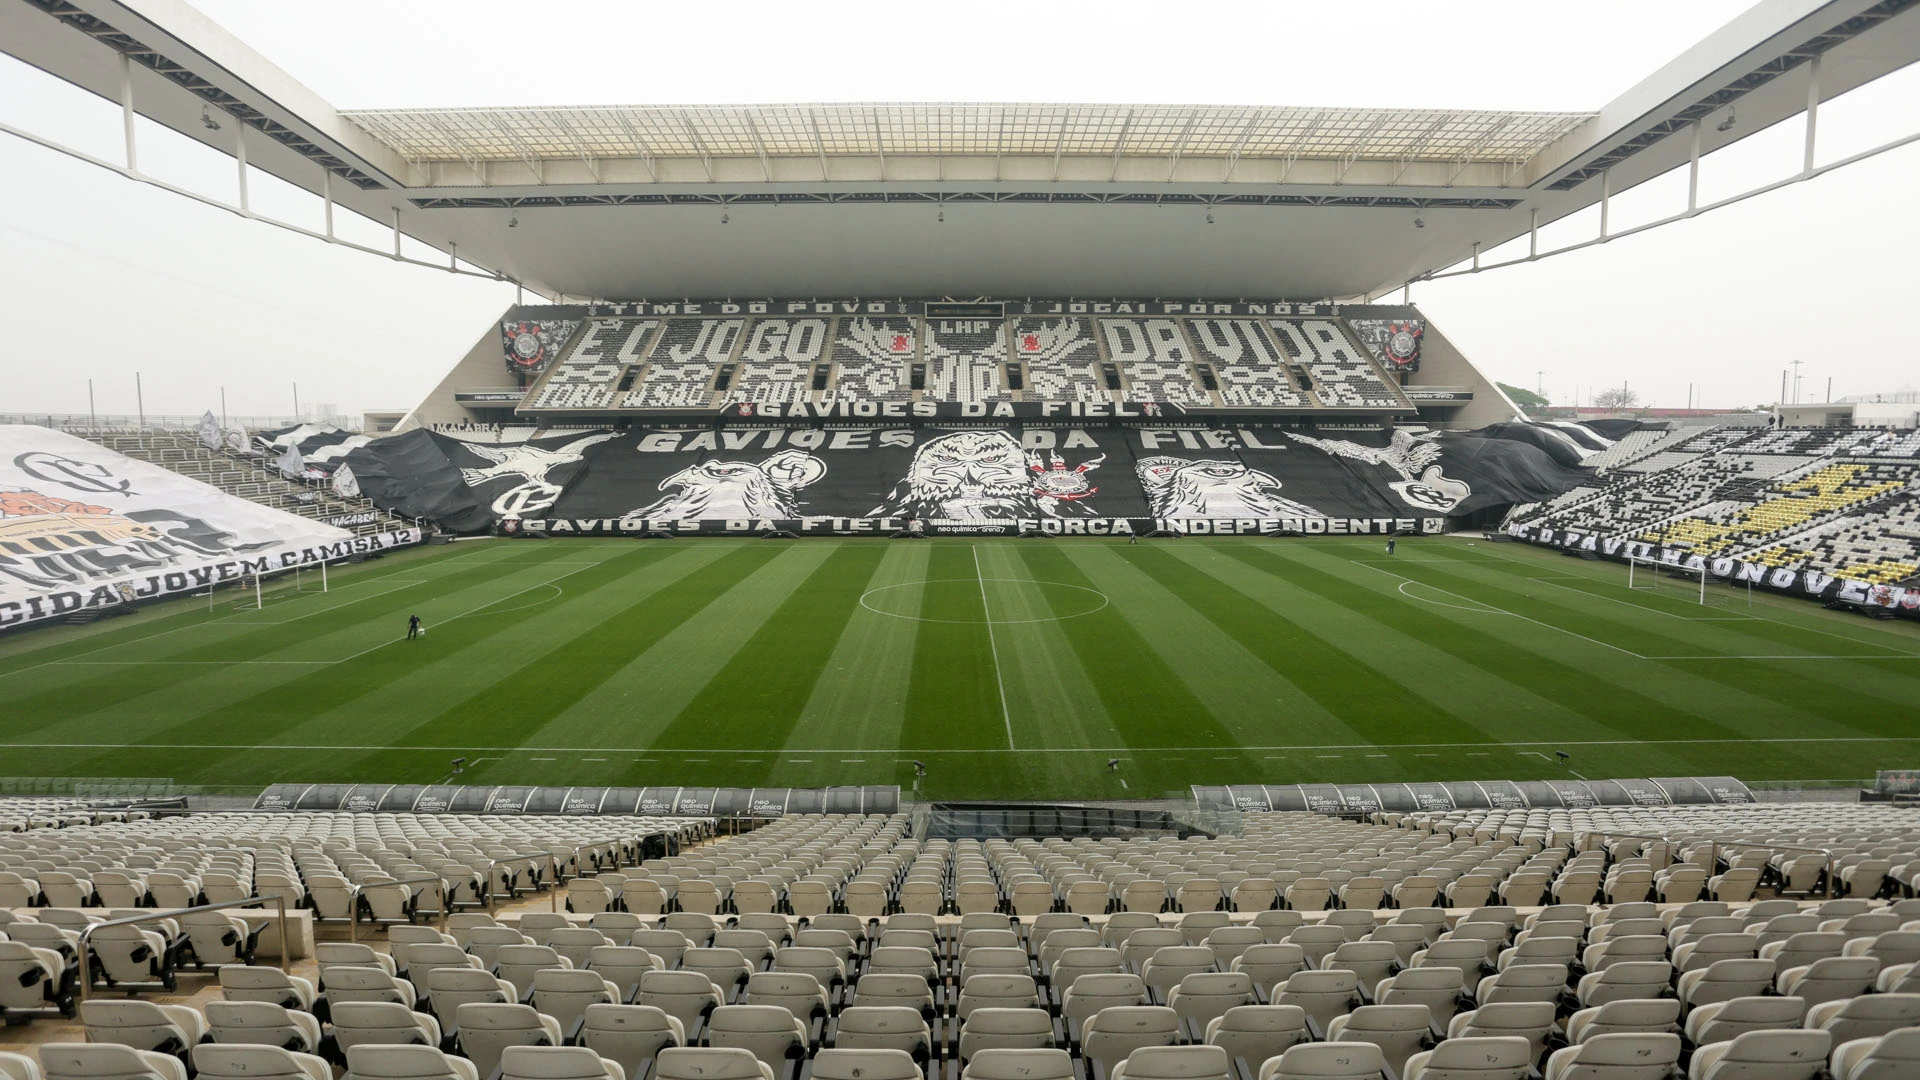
[860,698]
[870,685]
[1053,699]
[634,703]
[1332,656]
[1519,681]
[1728,630]
[755,700]
[31,649]
[1734,605]
[358,702]
[1253,700]
[953,700]
[565,668]
[113,690]
[1145,698]
[279,702]
[1755,697]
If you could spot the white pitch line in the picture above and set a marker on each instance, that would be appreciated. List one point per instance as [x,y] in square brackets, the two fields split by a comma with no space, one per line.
[142,639]
[190,663]
[470,611]
[1642,607]
[1863,656]
[1493,609]
[1751,614]
[896,750]
[993,645]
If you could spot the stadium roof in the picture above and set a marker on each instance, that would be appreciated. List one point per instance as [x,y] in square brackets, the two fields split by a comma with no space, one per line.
[966,130]
[631,202]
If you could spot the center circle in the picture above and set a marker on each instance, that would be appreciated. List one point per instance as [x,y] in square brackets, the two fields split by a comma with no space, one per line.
[892,601]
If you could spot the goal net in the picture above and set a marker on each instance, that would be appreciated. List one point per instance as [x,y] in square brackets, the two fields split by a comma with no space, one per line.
[1683,583]
[253,591]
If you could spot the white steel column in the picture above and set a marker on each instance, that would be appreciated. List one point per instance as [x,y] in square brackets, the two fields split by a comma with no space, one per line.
[126,110]
[240,161]
[1693,171]
[1813,112]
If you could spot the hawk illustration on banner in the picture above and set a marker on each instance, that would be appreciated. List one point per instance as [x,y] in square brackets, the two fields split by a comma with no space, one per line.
[532,464]
[1423,483]
[975,476]
[716,489]
[1214,488]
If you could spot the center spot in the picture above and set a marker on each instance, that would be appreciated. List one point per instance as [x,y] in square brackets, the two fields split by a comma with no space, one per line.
[1007,601]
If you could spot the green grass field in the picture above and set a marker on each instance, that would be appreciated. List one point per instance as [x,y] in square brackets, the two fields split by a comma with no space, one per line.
[1013,668]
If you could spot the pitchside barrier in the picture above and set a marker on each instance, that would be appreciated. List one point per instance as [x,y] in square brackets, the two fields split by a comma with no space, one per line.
[1032,527]
[1474,795]
[1809,583]
[577,801]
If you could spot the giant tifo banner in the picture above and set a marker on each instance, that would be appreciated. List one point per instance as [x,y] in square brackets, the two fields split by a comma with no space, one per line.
[1026,479]
[1814,583]
[84,528]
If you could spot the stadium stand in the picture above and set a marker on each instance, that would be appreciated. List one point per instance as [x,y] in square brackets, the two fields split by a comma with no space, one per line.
[1343,375]
[966,360]
[586,376]
[1197,362]
[1246,364]
[684,362]
[871,357]
[1155,361]
[245,477]
[1835,500]
[1575,942]
[1061,360]
[777,361]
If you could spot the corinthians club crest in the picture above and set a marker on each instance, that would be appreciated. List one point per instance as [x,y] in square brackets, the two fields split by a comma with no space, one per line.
[1054,481]
[1403,344]
[531,344]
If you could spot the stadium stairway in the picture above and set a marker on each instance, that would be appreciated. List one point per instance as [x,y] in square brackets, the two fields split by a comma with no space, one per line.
[935,960]
[184,453]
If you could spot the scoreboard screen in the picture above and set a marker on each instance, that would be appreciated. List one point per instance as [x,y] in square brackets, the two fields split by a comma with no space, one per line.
[966,311]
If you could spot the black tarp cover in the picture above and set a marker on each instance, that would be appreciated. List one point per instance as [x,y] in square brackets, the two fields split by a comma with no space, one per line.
[983,474]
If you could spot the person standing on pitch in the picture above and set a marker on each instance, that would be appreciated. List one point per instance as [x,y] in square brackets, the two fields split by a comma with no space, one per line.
[1390,545]
[413,627]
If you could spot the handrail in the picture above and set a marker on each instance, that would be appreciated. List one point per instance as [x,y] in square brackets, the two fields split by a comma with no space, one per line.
[616,842]
[1714,846]
[552,861]
[279,902]
[360,888]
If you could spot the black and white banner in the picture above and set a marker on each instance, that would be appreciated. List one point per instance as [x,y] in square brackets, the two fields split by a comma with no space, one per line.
[1055,479]
[1316,525]
[310,451]
[82,527]
[1816,584]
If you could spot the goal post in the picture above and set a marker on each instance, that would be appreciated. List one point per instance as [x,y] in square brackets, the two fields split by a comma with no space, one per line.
[1686,583]
[256,590]
[1642,574]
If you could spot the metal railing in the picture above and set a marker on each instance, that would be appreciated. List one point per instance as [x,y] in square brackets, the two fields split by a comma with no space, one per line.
[359,890]
[1716,846]
[493,892]
[85,980]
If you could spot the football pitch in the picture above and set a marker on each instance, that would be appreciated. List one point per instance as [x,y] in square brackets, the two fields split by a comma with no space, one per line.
[1012,668]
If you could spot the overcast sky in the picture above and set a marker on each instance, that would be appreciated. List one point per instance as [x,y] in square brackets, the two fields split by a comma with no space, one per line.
[105,277]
